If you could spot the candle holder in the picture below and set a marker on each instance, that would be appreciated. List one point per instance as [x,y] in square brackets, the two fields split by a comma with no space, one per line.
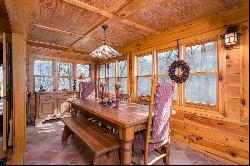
[117,92]
[103,86]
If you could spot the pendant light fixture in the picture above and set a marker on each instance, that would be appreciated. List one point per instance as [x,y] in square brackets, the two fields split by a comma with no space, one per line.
[105,51]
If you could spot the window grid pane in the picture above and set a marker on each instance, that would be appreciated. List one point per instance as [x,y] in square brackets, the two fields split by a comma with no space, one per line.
[42,68]
[65,76]
[201,89]
[202,58]
[144,65]
[85,69]
[165,59]
[123,82]
[45,82]
[143,86]
[101,71]
[111,85]
[122,68]
[111,70]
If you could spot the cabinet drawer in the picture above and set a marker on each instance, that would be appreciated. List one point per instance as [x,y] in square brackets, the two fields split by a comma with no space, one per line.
[65,95]
[47,97]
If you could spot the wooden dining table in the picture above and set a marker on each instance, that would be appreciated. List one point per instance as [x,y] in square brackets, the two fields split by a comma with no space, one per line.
[127,119]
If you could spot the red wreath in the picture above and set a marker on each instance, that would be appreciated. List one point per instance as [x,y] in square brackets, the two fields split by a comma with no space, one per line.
[184,69]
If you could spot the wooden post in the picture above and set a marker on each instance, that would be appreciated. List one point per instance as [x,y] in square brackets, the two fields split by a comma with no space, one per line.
[19,15]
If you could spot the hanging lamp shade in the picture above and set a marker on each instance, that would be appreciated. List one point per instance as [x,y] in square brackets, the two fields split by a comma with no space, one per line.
[105,51]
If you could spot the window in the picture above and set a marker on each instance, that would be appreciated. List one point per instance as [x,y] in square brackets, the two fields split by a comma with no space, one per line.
[65,76]
[110,77]
[83,69]
[144,72]
[201,86]
[43,78]
[122,75]
[164,60]
[111,73]
[101,75]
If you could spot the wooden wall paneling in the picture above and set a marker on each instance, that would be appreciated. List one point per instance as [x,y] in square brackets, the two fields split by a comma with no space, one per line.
[205,146]
[209,133]
[244,74]
[233,89]
[222,71]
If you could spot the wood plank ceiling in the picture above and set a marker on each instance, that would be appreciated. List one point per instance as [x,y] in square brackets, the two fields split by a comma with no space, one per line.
[75,25]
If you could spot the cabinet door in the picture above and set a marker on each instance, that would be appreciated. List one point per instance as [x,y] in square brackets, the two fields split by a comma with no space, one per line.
[63,106]
[47,108]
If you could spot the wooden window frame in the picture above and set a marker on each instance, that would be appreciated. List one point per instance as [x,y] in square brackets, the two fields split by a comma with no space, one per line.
[143,76]
[180,102]
[202,105]
[55,74]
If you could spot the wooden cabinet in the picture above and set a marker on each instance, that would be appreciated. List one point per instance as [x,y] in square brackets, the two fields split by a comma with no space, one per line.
[52,105]
[63,106]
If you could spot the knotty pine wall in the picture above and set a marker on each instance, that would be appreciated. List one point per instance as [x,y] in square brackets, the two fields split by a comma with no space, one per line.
[221,134]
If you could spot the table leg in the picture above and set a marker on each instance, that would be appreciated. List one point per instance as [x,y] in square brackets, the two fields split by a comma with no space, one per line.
[126,152]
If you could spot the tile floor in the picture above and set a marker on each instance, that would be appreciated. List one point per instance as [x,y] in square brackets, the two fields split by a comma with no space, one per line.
[44,146]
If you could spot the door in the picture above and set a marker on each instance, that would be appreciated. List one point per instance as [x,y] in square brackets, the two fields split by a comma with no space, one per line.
[4,93]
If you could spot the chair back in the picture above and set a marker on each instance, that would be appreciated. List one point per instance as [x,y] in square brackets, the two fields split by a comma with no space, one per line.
[125,97]
[162,112]
[87,90]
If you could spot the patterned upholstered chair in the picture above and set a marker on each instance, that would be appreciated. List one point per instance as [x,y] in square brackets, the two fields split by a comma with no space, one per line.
[157,136]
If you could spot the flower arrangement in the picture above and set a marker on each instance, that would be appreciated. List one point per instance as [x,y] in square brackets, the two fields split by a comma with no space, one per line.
[117,92]
[103,86]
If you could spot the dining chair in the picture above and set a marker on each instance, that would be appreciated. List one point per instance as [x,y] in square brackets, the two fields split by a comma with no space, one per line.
[157,135]
[125,97]
[144,100]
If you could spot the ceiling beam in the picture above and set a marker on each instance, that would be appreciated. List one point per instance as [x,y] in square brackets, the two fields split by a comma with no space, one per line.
[71,33]
[55,47]
[131,8]
[126,10]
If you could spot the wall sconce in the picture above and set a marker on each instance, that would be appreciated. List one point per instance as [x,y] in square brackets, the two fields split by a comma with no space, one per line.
[231,37]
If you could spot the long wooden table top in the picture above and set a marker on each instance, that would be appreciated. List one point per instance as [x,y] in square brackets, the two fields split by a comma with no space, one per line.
[128,114]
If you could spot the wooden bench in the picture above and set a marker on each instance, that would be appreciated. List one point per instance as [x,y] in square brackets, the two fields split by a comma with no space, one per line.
[103,145]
